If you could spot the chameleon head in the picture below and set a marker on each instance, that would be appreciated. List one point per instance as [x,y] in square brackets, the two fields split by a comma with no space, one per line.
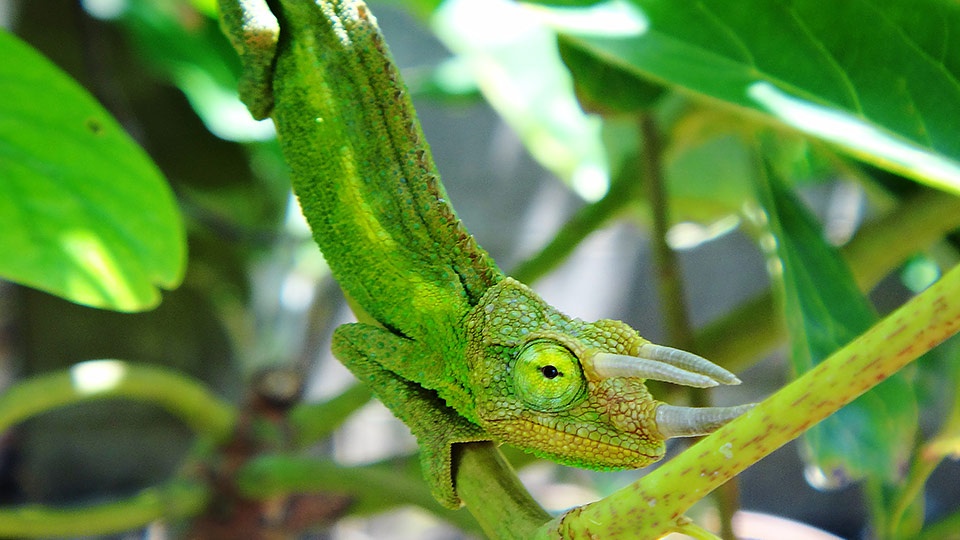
[574,391]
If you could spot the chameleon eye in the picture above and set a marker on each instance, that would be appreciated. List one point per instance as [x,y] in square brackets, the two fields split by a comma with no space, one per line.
[548,376]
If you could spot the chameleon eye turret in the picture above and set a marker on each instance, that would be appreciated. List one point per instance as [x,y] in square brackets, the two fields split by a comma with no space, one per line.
[548,377]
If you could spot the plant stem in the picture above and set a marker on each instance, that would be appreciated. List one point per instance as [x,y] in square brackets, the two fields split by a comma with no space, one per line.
[485,482]
[314,421]
[925,460]
[372,488]
[171,501]
[945,529]
[205,413]
[623,191]
[493,493]
[670,285]
[697,532]
[652,506]
[728,504]
[666,265]
[885,243]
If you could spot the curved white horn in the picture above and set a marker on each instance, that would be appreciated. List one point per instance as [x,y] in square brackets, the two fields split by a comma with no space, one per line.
[608,365]
[663,364]
[687,361]
[693,421]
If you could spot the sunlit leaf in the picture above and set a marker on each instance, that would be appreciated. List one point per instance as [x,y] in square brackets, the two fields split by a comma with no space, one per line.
[188,48]
[84,213]
[531,90]
[825,310]
[878,78]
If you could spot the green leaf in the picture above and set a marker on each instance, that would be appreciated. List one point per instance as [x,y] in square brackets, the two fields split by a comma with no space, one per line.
[514,59]
[84,213]
[878,78]
[605,89]
[709,181]
[872,436]
[189,49]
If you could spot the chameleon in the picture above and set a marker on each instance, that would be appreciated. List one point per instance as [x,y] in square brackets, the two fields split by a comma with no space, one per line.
[450,344]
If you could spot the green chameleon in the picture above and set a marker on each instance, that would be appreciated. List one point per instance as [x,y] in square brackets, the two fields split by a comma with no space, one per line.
[452,346]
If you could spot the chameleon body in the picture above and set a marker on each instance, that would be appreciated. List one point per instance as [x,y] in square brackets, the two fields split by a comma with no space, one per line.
[452,346]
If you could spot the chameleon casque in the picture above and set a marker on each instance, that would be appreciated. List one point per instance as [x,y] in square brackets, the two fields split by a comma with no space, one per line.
[452,346]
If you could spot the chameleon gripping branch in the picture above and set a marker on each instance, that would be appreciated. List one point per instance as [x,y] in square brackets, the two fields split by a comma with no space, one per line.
[453,347]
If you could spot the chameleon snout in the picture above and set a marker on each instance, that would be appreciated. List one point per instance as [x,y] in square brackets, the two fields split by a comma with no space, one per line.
[676,366]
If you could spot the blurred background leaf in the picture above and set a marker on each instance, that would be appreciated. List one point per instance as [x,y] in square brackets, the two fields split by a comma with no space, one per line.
[532,91]
[872,436]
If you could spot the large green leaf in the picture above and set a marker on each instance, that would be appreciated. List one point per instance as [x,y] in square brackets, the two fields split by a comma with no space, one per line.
[825,310]
[878,78]
[84,213]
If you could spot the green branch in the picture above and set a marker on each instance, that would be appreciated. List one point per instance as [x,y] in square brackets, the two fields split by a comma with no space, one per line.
[312,422]
[653,506]
[174,500]
[372,488]
[493,493]
[187,399]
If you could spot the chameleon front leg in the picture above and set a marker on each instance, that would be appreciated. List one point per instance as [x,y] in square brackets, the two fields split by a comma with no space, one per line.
[365,350]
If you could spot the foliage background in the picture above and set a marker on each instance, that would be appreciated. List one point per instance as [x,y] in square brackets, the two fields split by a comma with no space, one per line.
[256,294]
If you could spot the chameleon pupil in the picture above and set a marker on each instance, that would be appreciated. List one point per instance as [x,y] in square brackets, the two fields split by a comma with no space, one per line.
[550,372]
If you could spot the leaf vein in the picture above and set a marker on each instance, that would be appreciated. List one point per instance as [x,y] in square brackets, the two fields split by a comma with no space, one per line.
[831,61]
[730,33]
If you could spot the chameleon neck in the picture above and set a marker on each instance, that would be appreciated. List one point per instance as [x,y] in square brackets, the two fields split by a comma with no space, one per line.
[418,271]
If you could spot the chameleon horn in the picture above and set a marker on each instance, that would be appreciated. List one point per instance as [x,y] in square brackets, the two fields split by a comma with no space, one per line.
[663,364]
[693,421]
[608,365]
[687,361]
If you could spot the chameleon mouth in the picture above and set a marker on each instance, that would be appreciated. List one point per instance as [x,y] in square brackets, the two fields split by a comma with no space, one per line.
[581,446]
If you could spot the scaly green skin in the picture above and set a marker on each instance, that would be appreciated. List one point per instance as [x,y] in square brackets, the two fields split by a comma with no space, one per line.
[460,353]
